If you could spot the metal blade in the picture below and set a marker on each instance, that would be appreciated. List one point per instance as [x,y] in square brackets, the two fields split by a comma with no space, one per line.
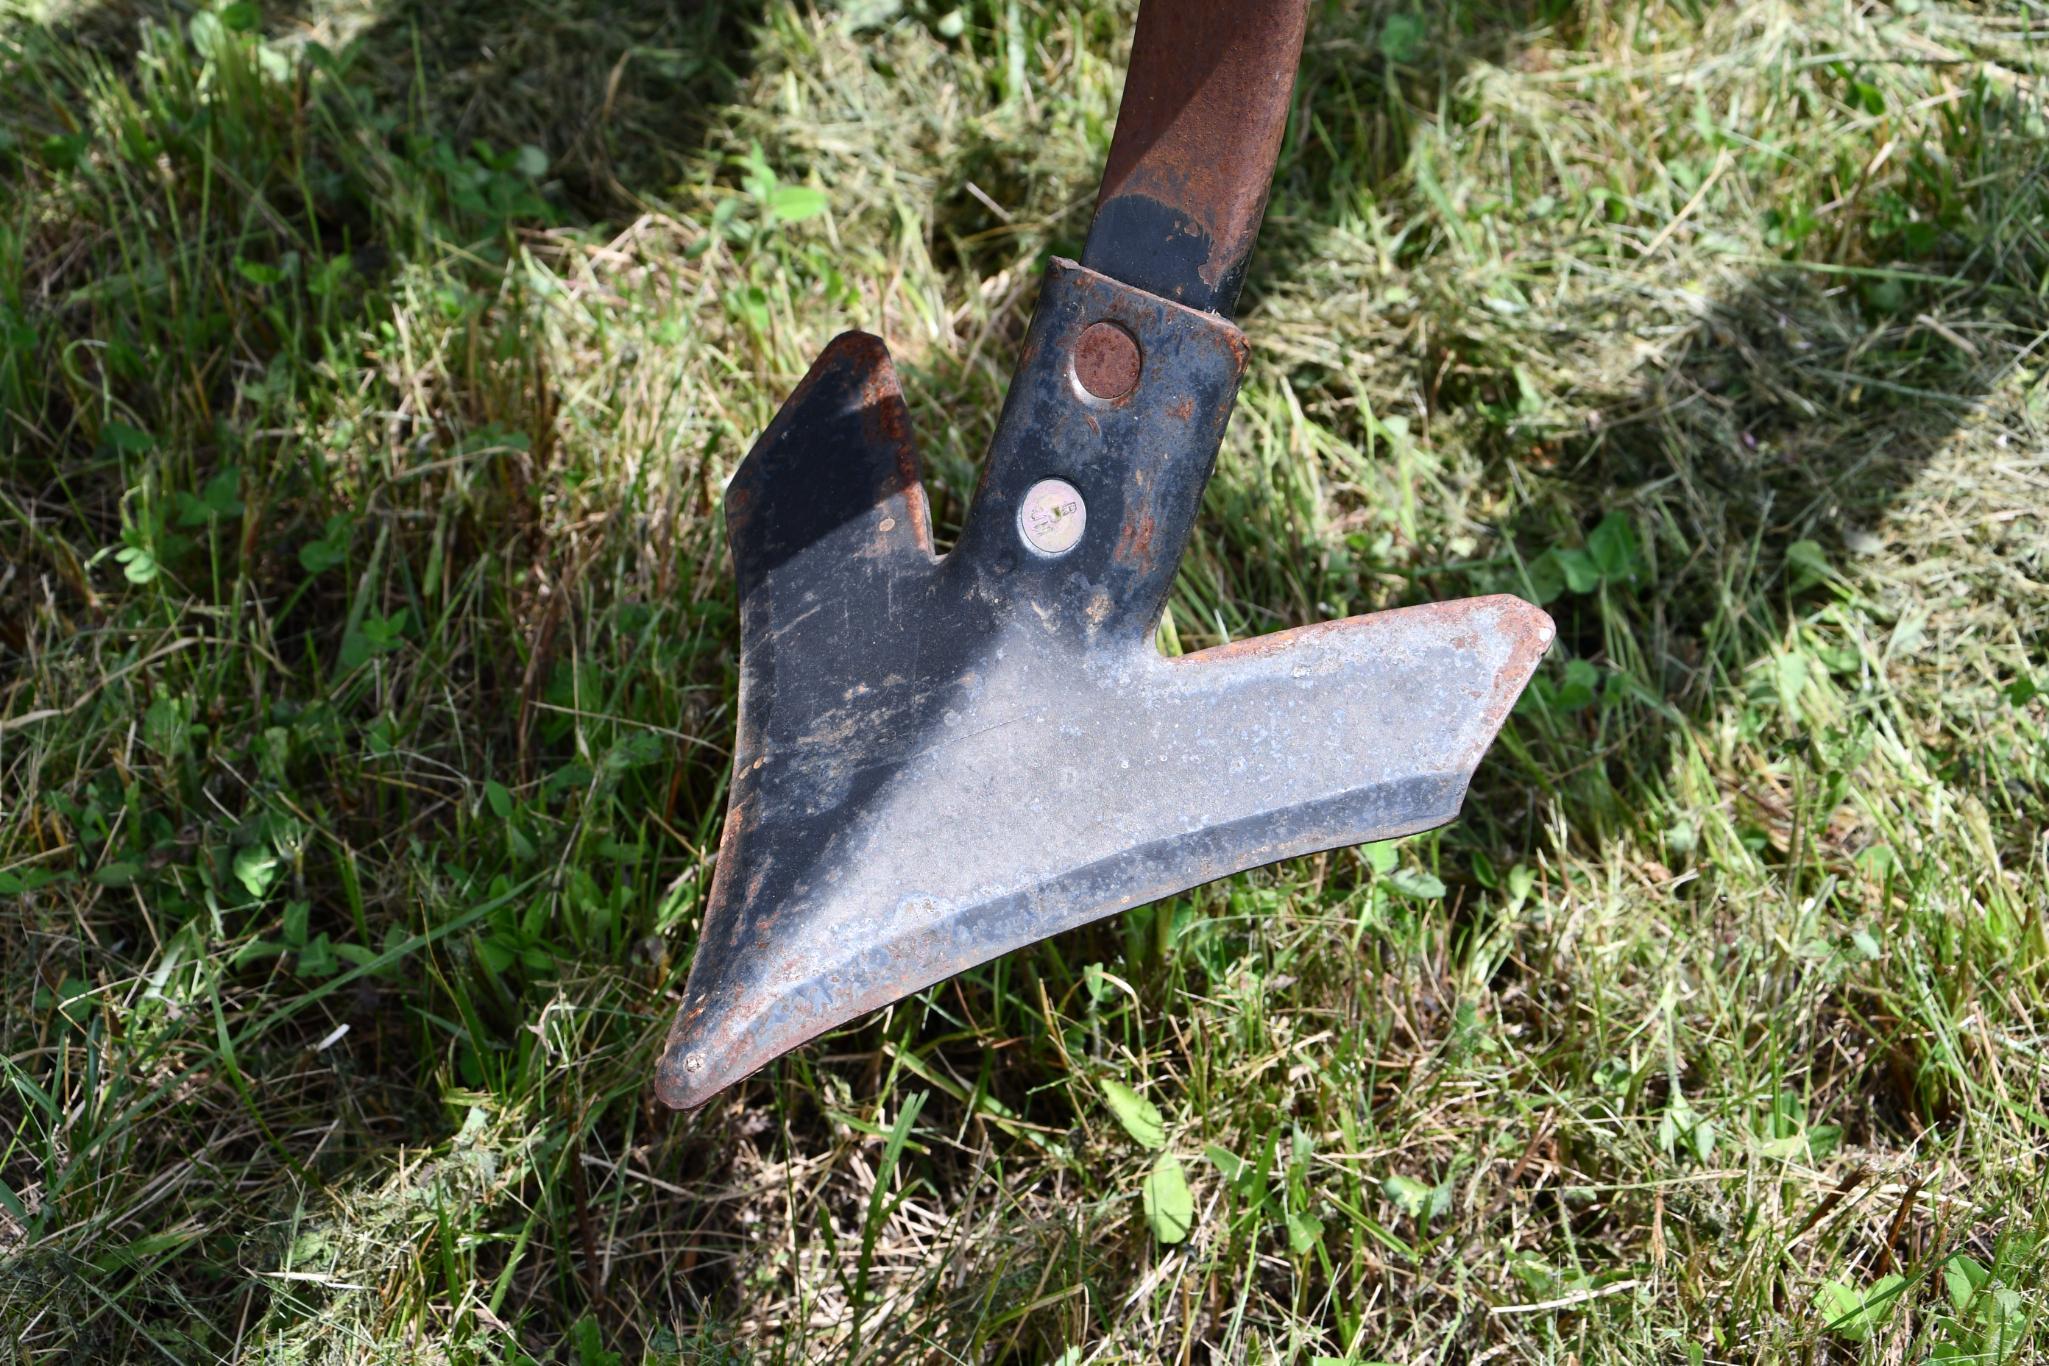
[940,761]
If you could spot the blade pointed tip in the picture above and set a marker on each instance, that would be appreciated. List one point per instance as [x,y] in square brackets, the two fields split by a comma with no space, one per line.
[1533,630]
[687,1076]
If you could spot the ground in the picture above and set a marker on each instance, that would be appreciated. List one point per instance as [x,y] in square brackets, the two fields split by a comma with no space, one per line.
[370,374]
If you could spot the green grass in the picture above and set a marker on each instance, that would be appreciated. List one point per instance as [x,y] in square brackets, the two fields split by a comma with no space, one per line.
[370,373]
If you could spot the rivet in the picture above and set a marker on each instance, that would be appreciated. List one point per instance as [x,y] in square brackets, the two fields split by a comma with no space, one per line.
[1106,361]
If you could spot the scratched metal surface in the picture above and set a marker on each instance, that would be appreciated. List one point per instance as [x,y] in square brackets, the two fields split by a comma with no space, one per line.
[942,760]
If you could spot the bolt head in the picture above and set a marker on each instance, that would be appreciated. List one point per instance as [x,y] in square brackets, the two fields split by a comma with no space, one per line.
[1051,517]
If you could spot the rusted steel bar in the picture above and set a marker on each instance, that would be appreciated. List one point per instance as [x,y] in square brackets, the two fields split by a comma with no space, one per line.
[1198,133]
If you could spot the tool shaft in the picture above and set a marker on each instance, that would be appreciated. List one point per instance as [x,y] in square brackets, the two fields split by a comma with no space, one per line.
[1198,132]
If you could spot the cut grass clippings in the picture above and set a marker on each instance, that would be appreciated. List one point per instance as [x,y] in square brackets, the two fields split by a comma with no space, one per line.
[370,376]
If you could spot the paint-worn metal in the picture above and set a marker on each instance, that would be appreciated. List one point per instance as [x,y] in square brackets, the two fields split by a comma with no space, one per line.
[1205,104]
[940,760]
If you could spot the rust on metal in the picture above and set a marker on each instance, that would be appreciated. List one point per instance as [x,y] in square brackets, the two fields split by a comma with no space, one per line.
[1106,361]
[942,759]
[1135,541]
[1198,131]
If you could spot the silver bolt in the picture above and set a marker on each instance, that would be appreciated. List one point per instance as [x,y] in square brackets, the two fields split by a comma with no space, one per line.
[1051,517]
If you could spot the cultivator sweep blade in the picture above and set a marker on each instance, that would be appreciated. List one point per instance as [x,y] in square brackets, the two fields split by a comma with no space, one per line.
[942,759]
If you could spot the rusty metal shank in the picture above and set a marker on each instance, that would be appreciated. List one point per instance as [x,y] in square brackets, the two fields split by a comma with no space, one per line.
[1205,104]
[940,760]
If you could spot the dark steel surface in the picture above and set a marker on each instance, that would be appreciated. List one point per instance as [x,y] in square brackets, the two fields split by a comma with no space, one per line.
[942,760]
[1198,131]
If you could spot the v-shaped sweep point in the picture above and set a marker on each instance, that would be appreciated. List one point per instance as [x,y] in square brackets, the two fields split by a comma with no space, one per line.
[941,761]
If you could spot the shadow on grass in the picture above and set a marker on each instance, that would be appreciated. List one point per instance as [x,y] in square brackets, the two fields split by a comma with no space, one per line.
[1789,407]
[1795,409]
[1756,459]
[432,135]
[1763,448]
[182,219]
[617,93]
